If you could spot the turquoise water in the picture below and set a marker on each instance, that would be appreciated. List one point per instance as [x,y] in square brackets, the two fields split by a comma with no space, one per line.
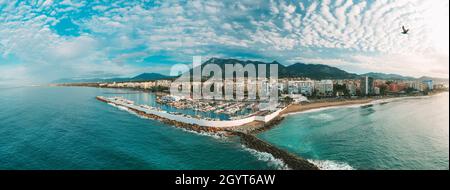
[67,128]
[403,134]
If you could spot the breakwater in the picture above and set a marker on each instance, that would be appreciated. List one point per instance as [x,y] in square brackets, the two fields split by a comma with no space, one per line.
[264,116]
[188,126]
[247,139]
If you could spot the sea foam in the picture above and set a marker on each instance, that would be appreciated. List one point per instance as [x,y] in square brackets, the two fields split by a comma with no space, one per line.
[213,135]
[267,157]
[322,116]
[331,165]
[374,102]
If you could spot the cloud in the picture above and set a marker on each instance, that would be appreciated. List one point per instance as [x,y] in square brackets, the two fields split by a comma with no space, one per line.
[13,75]
[408,65]
[118,37]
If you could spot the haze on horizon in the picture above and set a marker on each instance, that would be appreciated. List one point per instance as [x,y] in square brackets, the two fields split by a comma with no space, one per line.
[44,40]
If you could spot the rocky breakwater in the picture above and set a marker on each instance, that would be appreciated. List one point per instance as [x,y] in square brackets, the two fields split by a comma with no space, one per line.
[178,124]
[292,161]
[246,136]
[192,127]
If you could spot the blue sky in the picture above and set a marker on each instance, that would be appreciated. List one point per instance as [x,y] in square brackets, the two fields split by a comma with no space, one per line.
[44,40]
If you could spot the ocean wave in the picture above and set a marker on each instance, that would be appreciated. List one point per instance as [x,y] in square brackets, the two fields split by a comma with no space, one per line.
[373,102]
[267,157]
[129,111]
[123,108]
[331,165]
[322,116]
[119,107]
[323,109]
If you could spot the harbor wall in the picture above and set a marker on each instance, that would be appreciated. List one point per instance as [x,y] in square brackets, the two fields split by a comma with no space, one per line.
[197,121]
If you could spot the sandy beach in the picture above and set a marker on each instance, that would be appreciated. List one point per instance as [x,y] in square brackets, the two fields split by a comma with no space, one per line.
[258,127]
[294,108]
[297,108]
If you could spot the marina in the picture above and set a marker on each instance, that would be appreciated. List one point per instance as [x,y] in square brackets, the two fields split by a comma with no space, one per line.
[230,108]
[261,116]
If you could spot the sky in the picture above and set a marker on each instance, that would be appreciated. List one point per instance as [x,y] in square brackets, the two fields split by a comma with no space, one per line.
[45,40]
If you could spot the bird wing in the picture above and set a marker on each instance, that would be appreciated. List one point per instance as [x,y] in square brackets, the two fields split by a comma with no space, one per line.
[403,28]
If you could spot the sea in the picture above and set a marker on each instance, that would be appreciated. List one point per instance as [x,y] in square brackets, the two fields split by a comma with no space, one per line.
[61,128]
[396,134]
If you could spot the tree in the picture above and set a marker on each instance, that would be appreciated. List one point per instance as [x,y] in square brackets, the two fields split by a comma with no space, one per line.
[288,100]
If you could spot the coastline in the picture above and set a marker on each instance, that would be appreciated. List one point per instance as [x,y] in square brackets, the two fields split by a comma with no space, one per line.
[256,128]
[319,106]
[248,132]
[295,109]
[299,108]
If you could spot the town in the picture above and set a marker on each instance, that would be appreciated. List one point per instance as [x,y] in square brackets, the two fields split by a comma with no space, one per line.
[316,89]
[299,91]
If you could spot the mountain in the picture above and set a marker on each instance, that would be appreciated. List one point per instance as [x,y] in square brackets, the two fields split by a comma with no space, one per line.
[316,71]
[313,71]
[435,80]
[90,80]
[384,76]
[141,77]
[222,62]
[150,76]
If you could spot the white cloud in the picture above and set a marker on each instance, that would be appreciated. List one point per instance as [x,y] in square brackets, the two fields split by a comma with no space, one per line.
[72,4]
[367,34]
[47,3]
[410,65]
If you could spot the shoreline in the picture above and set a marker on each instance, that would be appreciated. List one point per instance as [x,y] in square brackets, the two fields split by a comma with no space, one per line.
[319,106]
[300,108]
[295,109]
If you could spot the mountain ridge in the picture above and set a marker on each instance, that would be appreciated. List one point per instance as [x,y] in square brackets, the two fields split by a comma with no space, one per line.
[137,78]
[312,71]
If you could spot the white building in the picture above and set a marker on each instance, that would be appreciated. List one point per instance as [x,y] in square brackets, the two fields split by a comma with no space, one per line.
[283,85]
[304,87]
[163,83]
[414,84]
[324,88]
[298,98]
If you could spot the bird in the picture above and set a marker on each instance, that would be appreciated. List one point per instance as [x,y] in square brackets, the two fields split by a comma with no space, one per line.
[405,31]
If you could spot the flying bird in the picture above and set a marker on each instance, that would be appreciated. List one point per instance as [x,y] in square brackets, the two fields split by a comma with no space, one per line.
[405,31]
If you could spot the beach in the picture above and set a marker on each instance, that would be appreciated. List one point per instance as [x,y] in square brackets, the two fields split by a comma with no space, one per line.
[294,108]
[317,105]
